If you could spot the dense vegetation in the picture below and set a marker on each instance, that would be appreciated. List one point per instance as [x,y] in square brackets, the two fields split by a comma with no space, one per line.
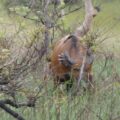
[23,31]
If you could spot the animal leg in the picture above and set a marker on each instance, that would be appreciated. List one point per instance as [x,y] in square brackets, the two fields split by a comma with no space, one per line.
[69,81]
[65,59]
[69,85]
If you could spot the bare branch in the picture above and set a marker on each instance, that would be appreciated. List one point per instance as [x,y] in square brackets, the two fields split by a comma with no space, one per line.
[81,71]
[4,103]
[11,112]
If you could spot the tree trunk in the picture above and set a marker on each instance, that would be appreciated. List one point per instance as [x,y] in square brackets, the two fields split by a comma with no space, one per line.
[90,12]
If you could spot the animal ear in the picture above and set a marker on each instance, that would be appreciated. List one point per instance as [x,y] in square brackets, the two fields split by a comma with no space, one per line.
[73,37]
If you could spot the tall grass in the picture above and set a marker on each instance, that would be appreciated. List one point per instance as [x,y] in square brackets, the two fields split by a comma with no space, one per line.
[100,104]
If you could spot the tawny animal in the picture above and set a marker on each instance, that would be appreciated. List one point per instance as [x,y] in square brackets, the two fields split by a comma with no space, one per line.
[71,58]
[67,60]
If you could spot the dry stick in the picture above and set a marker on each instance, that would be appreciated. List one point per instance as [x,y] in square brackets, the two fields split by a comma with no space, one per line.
[11,112]
[70,12]
[90,83]
[81,71]
[4,103]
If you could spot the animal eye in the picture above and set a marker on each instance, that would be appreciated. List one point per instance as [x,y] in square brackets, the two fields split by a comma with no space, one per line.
[76,69]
